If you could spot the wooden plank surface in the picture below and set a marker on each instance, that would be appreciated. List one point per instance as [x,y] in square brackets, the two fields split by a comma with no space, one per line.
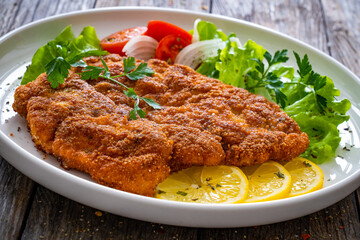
[300,19]
[30,211]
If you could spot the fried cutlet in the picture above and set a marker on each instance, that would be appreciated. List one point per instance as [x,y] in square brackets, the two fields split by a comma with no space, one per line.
[202,122]
[87,131]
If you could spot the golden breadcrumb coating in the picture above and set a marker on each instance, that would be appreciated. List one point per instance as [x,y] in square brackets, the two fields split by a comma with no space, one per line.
[202,122]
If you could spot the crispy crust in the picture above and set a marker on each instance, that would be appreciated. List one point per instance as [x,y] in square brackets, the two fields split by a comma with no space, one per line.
[202,122]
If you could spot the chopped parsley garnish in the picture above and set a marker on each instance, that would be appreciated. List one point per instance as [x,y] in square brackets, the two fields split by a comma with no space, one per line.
[307,164]
[280,174]
[211,186]
[346,149]
[182,193]
[161,191]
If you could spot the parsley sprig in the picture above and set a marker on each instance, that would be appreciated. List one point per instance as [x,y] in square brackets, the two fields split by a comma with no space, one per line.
[67,54]
[310,78]
[130,71]
[264,77]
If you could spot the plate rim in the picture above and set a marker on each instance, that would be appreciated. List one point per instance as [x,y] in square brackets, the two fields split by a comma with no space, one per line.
[153,201]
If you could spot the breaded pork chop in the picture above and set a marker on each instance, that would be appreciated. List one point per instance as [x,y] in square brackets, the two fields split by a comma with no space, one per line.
[128,155]
[45,108]
[251,128]
[87,131]
[202,122]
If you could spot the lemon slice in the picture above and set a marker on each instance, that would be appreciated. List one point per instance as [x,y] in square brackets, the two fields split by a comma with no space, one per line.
[306,176]
[214,184]
[268,181]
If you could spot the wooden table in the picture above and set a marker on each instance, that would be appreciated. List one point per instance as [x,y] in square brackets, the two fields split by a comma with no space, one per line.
[30,211]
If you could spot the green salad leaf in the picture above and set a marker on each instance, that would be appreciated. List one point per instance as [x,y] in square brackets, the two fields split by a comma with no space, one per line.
[208,31]
[56,57]
[316,110]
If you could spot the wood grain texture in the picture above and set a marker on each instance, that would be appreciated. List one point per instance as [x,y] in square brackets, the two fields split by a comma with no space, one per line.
[300,19]
[16,192]
[29,211]
[196,5]
[56,217]
[335,223]
[18,13]
[8,11]
[343,31]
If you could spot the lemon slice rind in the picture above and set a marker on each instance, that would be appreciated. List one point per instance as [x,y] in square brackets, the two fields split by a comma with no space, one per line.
[270,181]
[306,176]
[212,184]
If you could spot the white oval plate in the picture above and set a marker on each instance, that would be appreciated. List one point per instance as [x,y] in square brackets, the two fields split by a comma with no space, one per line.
[342,176]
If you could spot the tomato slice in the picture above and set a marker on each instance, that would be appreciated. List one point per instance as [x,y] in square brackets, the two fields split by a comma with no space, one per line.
[159,29]
[170,46]
[115,42]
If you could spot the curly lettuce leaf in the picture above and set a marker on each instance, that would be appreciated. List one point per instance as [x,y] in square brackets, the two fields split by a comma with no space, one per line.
[320,124]
[234,62]
[207,67]
[64,46]
[324,136]
[208,31]
[46,54]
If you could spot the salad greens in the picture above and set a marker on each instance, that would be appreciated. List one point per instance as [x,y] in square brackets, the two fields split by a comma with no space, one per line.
[56,57]
[306,96]
[208,31]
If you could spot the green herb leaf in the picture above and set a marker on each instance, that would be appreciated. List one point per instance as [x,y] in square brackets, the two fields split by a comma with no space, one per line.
[182,193]
[80,63]
[161,191]
[131,93]
[129,64]
[137,111]
[321,101]
[280,174]
[91,72]
[280,57]
[151,103]
[56,56]
[319,82]
[307,164]
[57,70]
[140,72]
[303,64]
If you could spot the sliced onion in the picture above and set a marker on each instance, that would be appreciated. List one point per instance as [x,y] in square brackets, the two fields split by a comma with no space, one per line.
[196,37]
[237,40]
[141,47]
[193,54]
